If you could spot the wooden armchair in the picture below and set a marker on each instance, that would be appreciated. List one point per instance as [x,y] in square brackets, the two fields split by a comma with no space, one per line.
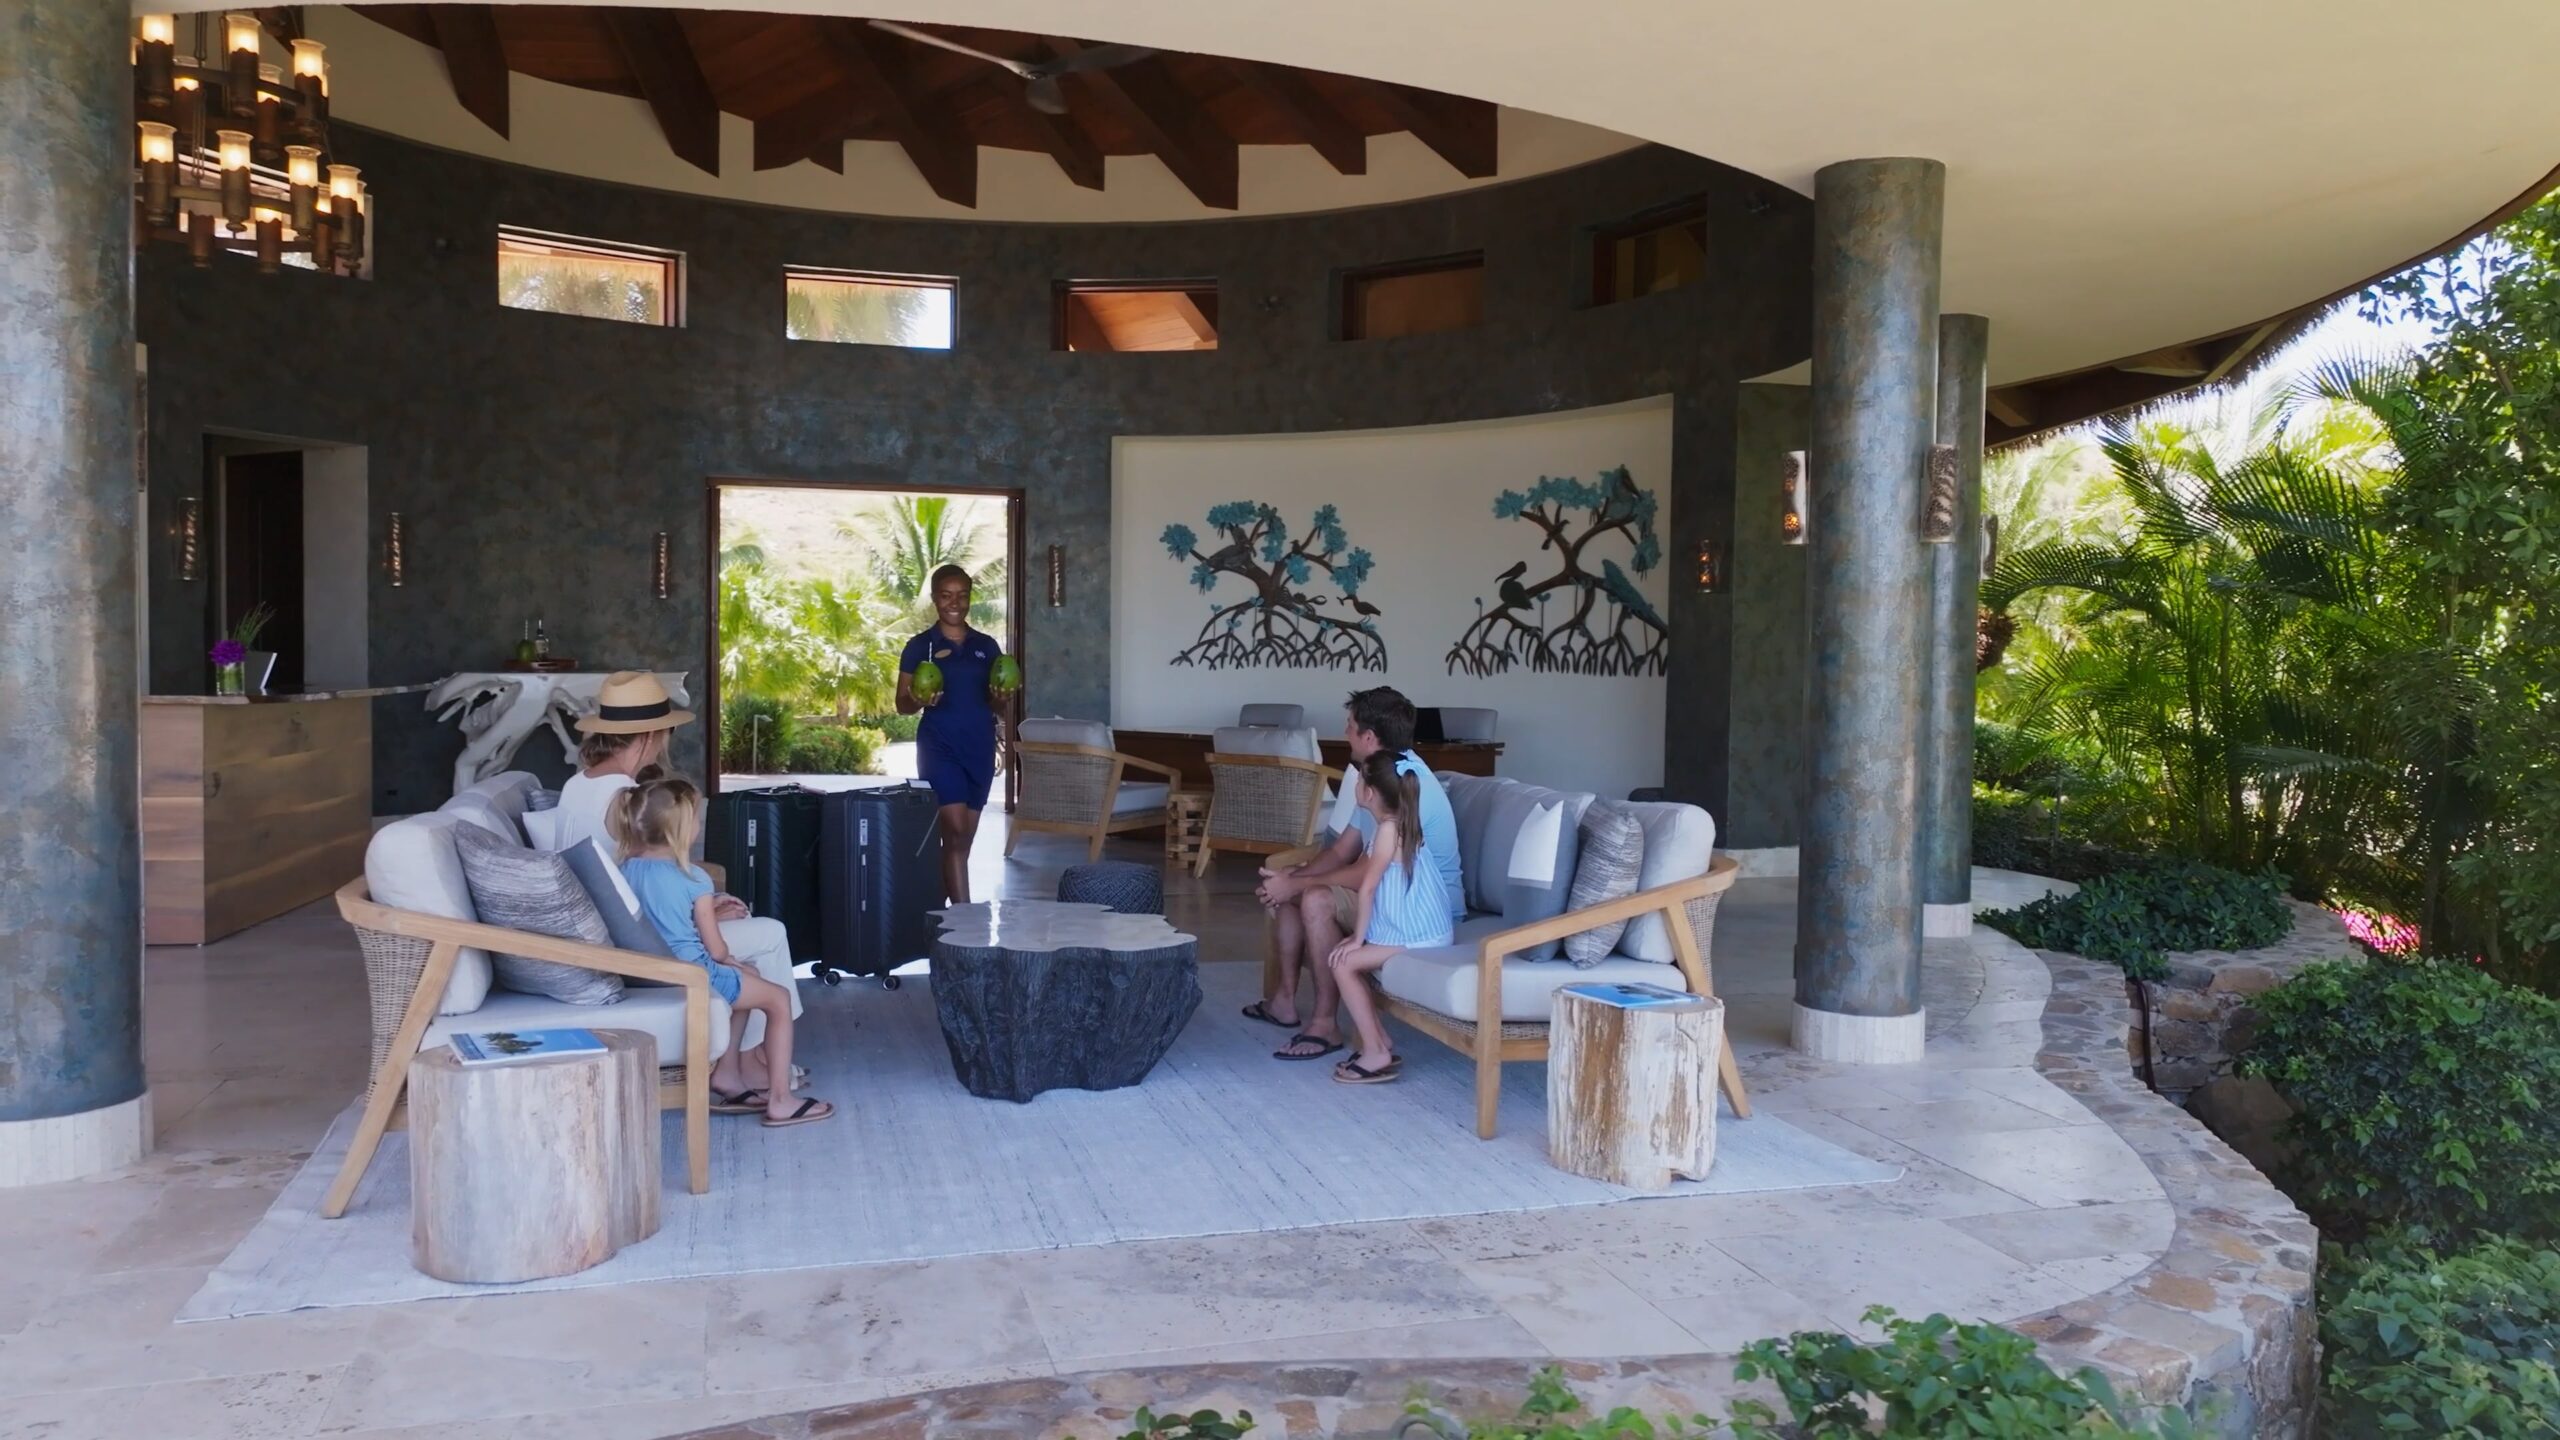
[1687,908]
[408,958]
[1266,792]
[1075,783]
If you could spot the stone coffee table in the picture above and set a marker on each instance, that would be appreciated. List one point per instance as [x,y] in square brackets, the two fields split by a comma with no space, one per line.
[1044,995]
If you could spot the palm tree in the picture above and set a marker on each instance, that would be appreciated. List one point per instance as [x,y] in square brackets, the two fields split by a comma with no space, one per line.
[762,648]
[845,630]
[915,535]
[2212,639]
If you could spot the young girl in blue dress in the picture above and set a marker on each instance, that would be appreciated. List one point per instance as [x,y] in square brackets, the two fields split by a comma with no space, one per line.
[655,823]
[1402,905]
[956,741]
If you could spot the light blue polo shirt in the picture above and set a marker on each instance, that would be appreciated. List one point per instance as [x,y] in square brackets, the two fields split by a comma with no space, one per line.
[1439,829]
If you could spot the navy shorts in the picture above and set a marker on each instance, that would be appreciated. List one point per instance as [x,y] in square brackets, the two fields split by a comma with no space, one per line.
[960,774]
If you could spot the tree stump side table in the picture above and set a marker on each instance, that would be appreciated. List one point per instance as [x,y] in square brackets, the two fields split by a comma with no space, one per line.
[1186,828]
[526,1171]
[1631,1088]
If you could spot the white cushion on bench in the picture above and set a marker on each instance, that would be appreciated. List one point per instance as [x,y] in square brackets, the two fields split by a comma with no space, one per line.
[1138,797]
[1444,979]
[654,1010]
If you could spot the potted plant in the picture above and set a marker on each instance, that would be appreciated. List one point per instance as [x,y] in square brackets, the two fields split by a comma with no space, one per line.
[238,668]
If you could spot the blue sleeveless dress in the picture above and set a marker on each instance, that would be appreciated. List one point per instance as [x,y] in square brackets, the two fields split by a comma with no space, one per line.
[1410,910]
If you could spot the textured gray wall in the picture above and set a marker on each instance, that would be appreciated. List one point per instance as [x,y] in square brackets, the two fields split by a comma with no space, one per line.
[533,456]
[70,867]
[1765,790]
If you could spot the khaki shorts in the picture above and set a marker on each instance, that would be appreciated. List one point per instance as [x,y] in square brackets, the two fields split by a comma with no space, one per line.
[1346,907]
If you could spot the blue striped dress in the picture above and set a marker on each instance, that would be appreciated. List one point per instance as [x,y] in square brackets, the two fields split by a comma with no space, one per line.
[1410,910]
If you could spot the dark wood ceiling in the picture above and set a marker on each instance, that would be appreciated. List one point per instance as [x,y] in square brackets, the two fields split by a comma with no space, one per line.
[810,83]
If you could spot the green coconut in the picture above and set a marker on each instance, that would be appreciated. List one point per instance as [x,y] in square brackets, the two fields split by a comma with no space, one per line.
[928,681]
[1006,676]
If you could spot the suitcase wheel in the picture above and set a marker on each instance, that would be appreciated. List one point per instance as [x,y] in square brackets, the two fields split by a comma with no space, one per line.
[832,977]
[888,982]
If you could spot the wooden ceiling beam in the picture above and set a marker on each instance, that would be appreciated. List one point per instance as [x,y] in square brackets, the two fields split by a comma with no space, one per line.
[475,60]
[813,129]
[671,81]
[1060,135]
[2009,406]
[1466,133]
[2176,362]
[1171,124]
[1342,144]
[943,153]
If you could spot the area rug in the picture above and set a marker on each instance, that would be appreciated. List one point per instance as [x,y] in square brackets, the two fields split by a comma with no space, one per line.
[1220,1139]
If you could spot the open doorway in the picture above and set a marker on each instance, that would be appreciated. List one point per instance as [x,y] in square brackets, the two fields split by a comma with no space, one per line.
[287,545]
[816,591]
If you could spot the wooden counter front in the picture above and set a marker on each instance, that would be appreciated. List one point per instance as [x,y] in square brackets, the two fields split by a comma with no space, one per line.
[1188,752]
[249,810]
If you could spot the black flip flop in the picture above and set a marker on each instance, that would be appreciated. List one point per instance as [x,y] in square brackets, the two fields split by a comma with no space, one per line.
[745,1102]
[1350,1072]
[1261,1010]
[1303,1038]
[802,1116]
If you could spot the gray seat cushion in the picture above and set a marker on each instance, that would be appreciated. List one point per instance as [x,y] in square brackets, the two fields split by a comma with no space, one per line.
[654,1010]
[1679,844]
[1612,858]
[1443,979]
[522,889]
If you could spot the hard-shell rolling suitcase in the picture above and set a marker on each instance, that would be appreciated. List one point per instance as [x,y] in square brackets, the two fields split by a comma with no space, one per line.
[769,842]
[880,864]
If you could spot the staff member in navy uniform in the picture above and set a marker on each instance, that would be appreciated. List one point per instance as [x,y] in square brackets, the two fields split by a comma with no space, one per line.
[956,742]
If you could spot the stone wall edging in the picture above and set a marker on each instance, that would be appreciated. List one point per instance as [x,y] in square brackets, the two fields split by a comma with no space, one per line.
[2221,1324]
[2204,1014]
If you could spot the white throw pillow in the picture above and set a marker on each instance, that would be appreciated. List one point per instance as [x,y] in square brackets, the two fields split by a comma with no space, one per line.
[486,813]
[411,865]
[542,829]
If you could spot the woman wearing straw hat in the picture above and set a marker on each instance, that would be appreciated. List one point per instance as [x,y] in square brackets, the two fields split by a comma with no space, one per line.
[625,735]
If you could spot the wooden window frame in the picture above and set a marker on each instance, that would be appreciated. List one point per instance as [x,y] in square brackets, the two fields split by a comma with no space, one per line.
[1601,250]
[672,260]
[948,284]
[1062,292]
[1347,284]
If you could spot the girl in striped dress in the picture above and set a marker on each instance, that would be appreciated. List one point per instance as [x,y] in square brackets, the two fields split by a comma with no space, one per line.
[1402,905]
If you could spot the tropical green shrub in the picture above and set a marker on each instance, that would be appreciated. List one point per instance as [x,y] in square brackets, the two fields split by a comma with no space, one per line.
[1928,1378]
[2414,1342]
[2015,831]
[836,750]
[2130,918]
[1198,1425]
[2429,1092]
[756,734]
[899,729]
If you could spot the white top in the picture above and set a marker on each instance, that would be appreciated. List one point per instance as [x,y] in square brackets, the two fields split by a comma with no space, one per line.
[584,799]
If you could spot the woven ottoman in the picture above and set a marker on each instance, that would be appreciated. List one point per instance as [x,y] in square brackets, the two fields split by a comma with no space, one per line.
[1121,885]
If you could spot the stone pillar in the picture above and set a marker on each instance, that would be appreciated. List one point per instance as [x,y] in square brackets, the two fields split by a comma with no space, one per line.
[72,1100]
[1955,596]
[1875,360]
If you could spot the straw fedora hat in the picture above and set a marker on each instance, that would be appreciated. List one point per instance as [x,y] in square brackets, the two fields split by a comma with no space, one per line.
[632,702]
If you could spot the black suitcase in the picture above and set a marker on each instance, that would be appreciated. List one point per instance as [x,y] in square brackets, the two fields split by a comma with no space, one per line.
[880,879]
[769,842]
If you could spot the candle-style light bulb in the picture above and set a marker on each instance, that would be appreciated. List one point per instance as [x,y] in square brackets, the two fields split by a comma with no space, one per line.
[240,44]
[159,142]
[311,67]
[233,147]
[240,32]
[302,171]
[159,29]
[159,165]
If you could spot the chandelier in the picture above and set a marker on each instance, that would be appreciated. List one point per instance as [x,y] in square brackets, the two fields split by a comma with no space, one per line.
[232,155]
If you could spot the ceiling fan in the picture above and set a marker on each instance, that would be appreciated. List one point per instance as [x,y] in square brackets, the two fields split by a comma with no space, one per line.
[1043,91]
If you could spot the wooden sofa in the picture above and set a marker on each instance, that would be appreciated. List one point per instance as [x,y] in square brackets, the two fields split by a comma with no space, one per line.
[1445,994]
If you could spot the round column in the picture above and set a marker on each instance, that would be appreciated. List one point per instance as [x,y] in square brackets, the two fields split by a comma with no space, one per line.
[1875,358]
[1955,598]
[72,1100]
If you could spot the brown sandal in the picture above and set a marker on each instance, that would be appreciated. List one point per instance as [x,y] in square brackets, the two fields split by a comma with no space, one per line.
[1351,1072]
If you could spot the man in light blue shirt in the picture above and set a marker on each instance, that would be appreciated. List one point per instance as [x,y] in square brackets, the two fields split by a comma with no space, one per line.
[1312,907]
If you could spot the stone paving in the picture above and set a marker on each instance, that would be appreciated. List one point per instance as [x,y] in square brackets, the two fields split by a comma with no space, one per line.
[2219,1323]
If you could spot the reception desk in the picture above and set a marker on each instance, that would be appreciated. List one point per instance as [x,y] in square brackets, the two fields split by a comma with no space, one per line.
[251,806]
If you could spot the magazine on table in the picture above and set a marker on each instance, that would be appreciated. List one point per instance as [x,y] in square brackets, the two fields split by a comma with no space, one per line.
[1632,995]
[507,1047]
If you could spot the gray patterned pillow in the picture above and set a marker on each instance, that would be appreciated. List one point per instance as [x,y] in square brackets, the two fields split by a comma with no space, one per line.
[532,890]
[1612,857]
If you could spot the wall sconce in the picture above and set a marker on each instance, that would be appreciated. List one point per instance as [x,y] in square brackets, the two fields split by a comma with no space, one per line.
[1938,513]
[395,553]
[190,537]
[1710,573]
[1057,576]
[658,567]
[1795,485]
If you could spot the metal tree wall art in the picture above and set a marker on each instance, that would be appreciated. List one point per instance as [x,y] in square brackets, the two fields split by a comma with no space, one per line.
[1586,617]
[1287,616]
